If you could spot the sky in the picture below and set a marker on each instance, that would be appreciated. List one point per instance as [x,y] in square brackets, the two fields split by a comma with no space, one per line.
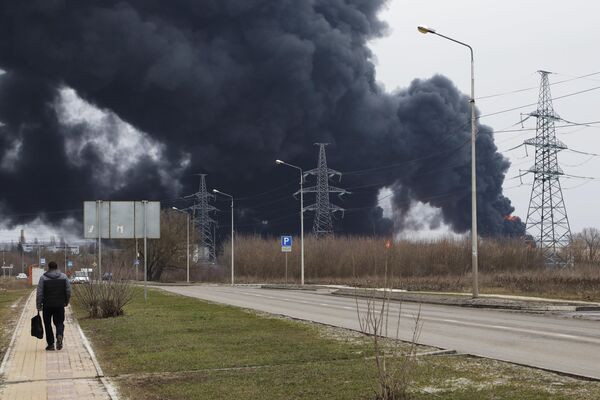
[511,41]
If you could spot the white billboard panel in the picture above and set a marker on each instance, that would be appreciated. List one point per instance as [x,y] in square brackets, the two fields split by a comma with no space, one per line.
[96,217]
[152,219]
[121,219]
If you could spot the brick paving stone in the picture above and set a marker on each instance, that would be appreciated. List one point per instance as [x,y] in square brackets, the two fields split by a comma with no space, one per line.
[32,373]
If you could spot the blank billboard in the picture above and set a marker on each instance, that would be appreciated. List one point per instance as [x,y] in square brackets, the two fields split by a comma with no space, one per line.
[121,219]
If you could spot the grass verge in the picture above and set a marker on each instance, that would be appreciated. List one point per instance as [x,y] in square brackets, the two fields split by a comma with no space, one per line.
[10,306]
[175,347]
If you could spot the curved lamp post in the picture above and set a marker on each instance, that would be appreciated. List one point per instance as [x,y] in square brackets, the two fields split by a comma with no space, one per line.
[279,162]
[425,30]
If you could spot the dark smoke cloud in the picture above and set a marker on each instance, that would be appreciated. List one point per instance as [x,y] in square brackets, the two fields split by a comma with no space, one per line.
[234,84]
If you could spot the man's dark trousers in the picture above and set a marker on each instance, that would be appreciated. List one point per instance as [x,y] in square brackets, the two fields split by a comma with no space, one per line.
[56,314]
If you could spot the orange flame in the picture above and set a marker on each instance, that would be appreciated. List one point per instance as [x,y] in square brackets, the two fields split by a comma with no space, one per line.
[512,218]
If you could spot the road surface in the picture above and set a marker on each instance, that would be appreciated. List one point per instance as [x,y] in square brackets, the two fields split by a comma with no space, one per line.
[566,345]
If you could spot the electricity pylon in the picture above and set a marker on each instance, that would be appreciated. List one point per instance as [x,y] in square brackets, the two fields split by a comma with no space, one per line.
[323,208]
[547,219]
[203,222]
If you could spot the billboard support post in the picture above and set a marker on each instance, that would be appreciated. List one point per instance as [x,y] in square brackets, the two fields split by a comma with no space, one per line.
[122,220]
[99,226]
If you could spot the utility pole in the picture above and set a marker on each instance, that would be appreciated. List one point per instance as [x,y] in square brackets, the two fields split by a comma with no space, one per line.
[203,221]
[323,208]
[65,265]
[547,219]
[474,237]
[280,162]
[145,203]
[21,243]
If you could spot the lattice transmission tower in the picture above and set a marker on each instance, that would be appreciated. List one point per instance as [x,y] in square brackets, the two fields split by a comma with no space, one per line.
[323,208]
[547,219]
[203,222]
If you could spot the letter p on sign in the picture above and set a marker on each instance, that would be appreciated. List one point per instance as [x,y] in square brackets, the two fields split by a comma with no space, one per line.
[286,244]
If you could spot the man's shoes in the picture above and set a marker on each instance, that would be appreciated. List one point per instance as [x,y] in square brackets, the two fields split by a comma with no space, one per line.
[50,347]
[59,342]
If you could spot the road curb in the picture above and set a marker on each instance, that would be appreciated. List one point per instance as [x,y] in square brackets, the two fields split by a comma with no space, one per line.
[463,301]
[110,388]
[292,287]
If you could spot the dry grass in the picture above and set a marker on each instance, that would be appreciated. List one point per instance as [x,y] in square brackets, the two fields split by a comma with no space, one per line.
[506,265]
[349,258]
[13,284]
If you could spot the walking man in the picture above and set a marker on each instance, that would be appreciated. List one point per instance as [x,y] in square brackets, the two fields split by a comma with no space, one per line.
[53,295]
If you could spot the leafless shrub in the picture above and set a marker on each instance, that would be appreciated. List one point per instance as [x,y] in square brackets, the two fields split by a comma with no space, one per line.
[394,363]
[505,265]
[104,299]
[198,273]
[260,259]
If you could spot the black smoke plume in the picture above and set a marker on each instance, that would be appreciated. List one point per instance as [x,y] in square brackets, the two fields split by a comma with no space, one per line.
[225,87]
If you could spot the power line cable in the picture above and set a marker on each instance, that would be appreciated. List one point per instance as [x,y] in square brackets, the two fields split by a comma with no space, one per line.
[537,87]
[403,163]
[580,164]
[584,153]
[534,104]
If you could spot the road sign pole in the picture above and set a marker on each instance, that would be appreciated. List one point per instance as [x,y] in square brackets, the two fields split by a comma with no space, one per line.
[286,268]
[137,262]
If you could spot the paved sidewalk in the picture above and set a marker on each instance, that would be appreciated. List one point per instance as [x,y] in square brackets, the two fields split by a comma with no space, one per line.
[32,373]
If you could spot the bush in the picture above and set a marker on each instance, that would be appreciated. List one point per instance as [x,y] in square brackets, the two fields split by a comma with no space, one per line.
[341,259]
[104,299]
[505,265]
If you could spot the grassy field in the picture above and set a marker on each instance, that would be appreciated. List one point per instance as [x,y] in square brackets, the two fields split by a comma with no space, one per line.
[11,294]
[175,347]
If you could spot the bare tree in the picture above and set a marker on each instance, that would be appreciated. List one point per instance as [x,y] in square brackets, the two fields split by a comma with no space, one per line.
[395,363]
[590,238]
[169,250]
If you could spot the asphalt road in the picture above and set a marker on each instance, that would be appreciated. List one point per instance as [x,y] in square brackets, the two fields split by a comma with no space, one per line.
[550,342]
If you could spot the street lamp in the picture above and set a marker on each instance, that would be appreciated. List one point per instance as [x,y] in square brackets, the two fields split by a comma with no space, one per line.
[279,162]
[232,252]
[188,241]
[424,29]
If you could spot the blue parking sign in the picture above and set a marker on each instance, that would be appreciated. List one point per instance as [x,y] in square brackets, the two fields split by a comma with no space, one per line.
[286,244]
